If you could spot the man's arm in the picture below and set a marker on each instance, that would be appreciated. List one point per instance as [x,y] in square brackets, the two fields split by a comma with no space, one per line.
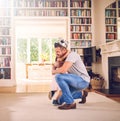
[62,69]
[62,58]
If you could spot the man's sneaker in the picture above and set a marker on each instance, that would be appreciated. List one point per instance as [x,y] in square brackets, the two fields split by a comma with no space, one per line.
[85,94]
[67,106]
[51,94]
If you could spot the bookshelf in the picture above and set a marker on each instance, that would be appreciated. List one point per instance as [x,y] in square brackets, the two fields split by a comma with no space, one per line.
[78,13]
[41,8]
[5,39]
[118,8]
[112,12]
[80,24]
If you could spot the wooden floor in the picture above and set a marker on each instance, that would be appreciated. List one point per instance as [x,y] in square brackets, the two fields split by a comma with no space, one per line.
[114,96]
[27,87]
[117,99]
[42,87]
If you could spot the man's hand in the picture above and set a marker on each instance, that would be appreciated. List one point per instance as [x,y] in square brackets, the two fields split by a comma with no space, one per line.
[62,69]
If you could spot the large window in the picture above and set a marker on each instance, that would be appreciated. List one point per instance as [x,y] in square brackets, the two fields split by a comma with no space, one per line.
[30,50]
[34,42]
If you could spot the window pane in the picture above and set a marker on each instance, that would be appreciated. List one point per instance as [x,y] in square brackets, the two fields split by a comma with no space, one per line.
[22,50]
[34,45]
[53,50]
[45,51]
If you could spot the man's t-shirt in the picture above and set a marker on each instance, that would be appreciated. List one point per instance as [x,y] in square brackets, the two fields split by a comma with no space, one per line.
[78,66]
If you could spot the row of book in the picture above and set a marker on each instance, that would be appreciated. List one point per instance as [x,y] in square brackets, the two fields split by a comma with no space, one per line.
[5,73]
[5,12]
[81,43]
[5,41]
[80,3]
[81,20]
[111,28]
[110,13]
[110,21]
[111,35]
[41,12]
[87,36]
[83,12]
[82,28]
[41,3]
[113,5]
[5,61]
[5,3]
[5,50]
[5,31]
[5,22]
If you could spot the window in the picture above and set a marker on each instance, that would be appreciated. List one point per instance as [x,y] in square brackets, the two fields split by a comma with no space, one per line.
[30,50]
[34,41]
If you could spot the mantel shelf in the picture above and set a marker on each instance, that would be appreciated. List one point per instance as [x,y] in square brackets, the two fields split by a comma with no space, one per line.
[111,47]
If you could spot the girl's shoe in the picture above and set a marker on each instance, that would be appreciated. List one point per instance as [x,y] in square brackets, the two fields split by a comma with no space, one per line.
[51,94]
[55,102]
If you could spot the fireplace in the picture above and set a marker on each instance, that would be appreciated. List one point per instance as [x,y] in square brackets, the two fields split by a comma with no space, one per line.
[111,68]
[114,74]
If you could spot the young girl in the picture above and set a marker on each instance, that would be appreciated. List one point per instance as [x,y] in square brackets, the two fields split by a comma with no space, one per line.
[56,91]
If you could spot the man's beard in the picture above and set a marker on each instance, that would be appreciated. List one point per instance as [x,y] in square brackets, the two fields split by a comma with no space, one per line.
[63,54]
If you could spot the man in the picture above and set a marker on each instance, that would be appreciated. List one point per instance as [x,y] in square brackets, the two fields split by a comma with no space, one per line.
[74,81]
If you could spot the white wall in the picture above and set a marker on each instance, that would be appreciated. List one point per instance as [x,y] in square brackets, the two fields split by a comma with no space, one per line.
[99,20]
[99,27]
[41,28]
[99,34]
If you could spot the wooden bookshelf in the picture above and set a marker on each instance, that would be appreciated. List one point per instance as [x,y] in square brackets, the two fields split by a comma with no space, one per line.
[80,23]
[112,11]
[118,8]
[41,8]
[5,39]
[80,26]
[78,13]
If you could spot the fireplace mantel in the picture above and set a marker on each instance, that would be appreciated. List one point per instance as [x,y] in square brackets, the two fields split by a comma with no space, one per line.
[110,47]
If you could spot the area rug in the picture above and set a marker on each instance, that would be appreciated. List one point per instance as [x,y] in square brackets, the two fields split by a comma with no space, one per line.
[37,107]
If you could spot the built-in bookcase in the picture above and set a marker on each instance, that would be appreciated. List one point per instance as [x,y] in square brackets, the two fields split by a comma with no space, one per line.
[111,22]
[77,12]
[112,12]
[80,23]
[41,7]
[118,8]
[5,39]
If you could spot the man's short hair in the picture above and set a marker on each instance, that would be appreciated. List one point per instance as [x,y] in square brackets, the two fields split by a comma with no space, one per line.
[61,43]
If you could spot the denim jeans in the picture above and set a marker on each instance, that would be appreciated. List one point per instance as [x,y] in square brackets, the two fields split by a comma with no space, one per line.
[71,86]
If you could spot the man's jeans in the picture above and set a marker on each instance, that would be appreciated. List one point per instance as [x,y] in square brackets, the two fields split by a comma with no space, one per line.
[71,86]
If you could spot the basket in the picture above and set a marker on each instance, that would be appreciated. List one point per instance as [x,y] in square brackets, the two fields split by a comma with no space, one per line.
[97,83]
